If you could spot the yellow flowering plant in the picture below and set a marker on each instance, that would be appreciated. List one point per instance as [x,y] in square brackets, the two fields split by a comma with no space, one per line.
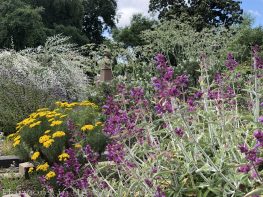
[46,133]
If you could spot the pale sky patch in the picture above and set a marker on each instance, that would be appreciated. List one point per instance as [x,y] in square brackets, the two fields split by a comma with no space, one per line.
[254,13]
[126,8]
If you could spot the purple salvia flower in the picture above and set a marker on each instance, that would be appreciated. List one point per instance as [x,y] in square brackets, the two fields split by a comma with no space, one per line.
[244,169]
[259,161]
[182,81]
[260,119]
[231,63]
[179,132]
[148,183]
[243,148]
[159,193]
[160,61]
[258,134]
[251,155]
[90,154]
[115,152]
[169,73]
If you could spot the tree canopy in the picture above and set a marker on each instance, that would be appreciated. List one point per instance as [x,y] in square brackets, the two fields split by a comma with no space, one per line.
[29,22]
[131,35]
[201,13]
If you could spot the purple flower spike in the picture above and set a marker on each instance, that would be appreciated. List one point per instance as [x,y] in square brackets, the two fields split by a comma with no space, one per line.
[231,63]
[244,169]
[115,152]
[243,148]
[179,132]
[260,119]
[159,193]
[148,182]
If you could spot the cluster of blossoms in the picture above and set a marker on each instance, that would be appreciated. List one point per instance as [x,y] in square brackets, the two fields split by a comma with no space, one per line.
[253,156]
[71,171]
[258,60]
[166,86]
[122,118]
[230,62]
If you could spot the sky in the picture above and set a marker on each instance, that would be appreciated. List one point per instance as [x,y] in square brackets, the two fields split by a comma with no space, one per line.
[126,8]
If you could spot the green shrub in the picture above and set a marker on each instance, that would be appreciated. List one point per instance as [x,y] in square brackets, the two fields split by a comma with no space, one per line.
[45,134]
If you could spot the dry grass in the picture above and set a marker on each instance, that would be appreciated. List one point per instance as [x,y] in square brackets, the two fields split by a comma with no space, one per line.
[6,148]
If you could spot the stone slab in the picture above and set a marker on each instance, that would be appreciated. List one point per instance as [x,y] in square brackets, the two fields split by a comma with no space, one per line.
[24,167]
[7,161]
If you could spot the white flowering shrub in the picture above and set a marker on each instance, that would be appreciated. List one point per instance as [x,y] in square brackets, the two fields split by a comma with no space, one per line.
[33,78]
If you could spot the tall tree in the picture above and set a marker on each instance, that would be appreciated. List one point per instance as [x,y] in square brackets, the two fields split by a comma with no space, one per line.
[29,22]
[99,15]
[20,25]
[131,35]
[201,13]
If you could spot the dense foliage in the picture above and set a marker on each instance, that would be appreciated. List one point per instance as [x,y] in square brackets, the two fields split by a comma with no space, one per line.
[204,13]
[182,116]
[131,35]
[27,23]
[34,78]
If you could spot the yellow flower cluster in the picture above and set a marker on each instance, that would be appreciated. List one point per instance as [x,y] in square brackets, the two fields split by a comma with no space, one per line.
[63,157]
[56,123]
[35,124]
[44,138]
[43,167]
[46,141]
[16,143]
[30,170]
[32,121]
[58,134]
[97,124]
[35,156]
[50,175]
[75,104]
[16,140]
[88,127]
[77,146]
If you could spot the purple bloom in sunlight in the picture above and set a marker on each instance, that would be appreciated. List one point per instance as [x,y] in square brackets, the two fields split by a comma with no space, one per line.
[259,161]
[148,182]
[156,83]
[115,152]
[64,194]
[160,61]
[260,119]
[198,95]
[258,60]
[244,169]
[159,193]
[258,134]
[104,185]
[174,91]
[137,93]
[182,80]
[121,88]
[90,154]
[251,155]
[243,148]
[218,78]
[169,73]
[179,132]
[231,63]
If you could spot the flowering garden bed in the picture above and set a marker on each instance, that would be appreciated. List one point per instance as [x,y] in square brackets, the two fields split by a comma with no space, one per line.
[171,140]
